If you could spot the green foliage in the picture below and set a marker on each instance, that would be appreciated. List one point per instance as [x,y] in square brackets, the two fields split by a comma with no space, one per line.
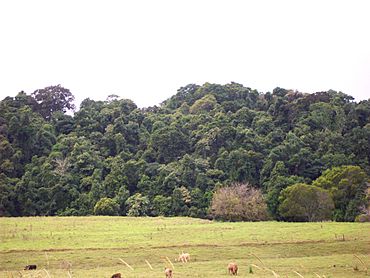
[273,193]
[7,196]
[161,205]
[302,202]
[326,116]
[348,185]
[177,155]
[240,165]
[169,143]
[279,179]
[106,206]
[137,205]
[205,104]
[181,200]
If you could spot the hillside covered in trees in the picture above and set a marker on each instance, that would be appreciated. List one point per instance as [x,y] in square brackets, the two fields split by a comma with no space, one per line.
[112,157]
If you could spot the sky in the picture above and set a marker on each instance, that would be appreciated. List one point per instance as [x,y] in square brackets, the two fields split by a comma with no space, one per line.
[145,50]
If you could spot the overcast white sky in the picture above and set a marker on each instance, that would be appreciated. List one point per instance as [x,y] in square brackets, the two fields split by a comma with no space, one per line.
[146,50]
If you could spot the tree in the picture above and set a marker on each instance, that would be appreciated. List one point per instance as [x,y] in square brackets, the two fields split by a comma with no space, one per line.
[241,165]
[348,185]
[27,133]
[273,193]
[170,144]
[137,205]
[121,197]
[184,95]
[205,104]
[52,99]
[302,202]
[63,123]
[278,180]
[106,206]
[181,200]
[326,116]
[239,202]
[263,123]
[177,154]
[161,205]
[7,196]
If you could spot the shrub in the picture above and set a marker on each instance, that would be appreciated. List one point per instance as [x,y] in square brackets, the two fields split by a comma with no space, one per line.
[239,202]
[106,206]
[68,212]
[362,218]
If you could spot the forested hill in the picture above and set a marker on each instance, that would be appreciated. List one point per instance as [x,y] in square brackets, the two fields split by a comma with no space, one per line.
[168,160]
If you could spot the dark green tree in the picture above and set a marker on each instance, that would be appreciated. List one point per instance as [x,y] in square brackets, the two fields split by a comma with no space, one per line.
[170,143]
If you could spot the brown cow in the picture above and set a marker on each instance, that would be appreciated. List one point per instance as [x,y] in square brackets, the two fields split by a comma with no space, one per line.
[168,272]
[232,268]
[116,275]
[30,267]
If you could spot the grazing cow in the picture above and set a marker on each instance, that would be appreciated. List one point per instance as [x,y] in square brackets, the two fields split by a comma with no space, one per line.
[168,272]
[232,268]
[116,275]
[30,267]
[184,257]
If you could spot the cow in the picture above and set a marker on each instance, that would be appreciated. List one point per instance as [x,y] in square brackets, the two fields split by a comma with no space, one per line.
[232,269]
[30,267]
[168,272]
[116,275]
[184,257]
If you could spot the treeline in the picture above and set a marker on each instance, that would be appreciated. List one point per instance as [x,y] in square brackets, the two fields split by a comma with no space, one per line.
[112,157]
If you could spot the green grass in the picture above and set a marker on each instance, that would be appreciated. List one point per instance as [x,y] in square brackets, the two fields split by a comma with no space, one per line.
[93,247]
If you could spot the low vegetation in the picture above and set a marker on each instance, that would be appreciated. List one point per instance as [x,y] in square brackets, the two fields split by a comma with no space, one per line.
[239,202]
[100,246]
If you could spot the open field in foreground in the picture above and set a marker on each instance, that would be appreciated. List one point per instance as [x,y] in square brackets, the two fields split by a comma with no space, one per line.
[97,246]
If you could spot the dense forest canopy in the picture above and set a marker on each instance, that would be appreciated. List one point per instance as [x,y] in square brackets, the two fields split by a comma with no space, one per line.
[112,157]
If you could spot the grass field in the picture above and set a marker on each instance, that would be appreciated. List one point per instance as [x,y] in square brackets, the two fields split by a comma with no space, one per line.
[97,246]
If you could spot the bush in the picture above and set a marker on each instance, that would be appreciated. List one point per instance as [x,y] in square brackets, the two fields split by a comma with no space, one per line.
[106,206]
[68,212]
[362,218]
[239,202]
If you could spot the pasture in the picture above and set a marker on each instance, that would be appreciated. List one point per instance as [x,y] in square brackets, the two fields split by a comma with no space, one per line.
[143,247]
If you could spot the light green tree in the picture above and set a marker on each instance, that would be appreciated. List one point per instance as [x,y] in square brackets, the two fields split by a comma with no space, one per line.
[302,202]
[106,206]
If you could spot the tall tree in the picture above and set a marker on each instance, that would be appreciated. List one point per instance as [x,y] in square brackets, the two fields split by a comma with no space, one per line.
[52,99]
